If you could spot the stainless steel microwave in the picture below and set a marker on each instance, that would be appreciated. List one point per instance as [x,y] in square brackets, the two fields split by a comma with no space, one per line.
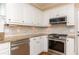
[59,20]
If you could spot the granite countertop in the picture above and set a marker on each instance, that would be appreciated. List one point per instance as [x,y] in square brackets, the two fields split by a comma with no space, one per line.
[71,35]
[11,38]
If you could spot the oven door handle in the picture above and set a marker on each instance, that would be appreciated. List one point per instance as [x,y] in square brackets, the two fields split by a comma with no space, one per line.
[60,40]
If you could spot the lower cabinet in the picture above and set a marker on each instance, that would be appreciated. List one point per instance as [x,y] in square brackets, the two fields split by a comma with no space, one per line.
[45,43]
[70,46]
[38,45]
[5,52]
[5,48]
[34,46]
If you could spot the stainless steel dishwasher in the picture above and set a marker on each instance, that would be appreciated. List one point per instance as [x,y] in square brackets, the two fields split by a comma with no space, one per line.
[20,47]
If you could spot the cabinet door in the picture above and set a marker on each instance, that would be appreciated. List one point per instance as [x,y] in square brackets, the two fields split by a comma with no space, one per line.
[71,15]
[78,45]
[45,43]
[5,48]
[14,12]
[70,46]
[70,19]
[5,52]
[3,9]
[78,20]
[11,13]
[33,46]
[38,43]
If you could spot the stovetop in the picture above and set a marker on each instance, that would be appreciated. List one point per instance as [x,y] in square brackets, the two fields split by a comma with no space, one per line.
[57,36]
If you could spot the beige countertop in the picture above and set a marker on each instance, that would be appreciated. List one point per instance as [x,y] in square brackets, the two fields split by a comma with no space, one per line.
[71,35]
[10,38]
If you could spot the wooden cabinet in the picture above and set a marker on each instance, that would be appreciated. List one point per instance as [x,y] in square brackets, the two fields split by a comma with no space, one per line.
[70,46]
[5,48]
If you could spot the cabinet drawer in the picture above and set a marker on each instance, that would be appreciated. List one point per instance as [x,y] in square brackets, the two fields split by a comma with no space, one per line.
[4,46]
[5,52]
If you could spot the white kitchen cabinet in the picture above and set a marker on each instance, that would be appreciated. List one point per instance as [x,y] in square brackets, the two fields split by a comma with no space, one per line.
[14,13]
[5,52]
[78,20]
[78,45]
[44,43]
[70,46]
[2,16]
[2,22]
[34,46]
[1,27]
[38,45]
[24,14]
[5,48]
[2,9]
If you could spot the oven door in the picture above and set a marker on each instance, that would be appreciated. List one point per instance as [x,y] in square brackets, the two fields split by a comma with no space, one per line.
[56,45]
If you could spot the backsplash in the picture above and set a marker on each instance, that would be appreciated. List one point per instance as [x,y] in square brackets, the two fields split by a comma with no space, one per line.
[13,30]
[60,29]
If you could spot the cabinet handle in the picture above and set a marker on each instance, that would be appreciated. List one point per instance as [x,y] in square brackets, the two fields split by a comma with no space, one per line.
[23,21]
[9,19]
[14,48]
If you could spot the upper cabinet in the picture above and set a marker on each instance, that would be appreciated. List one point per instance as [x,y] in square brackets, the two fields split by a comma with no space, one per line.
[2,16]
[14,13]
[2,9]
[65,10]
[24,14]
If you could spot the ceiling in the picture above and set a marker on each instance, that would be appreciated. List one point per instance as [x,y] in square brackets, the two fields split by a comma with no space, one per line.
[45,6]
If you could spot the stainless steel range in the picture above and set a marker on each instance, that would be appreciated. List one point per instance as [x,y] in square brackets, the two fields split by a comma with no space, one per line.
[57,43]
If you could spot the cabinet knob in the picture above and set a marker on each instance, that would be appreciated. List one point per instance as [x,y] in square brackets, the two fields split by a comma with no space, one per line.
[23,21]
[9,19]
